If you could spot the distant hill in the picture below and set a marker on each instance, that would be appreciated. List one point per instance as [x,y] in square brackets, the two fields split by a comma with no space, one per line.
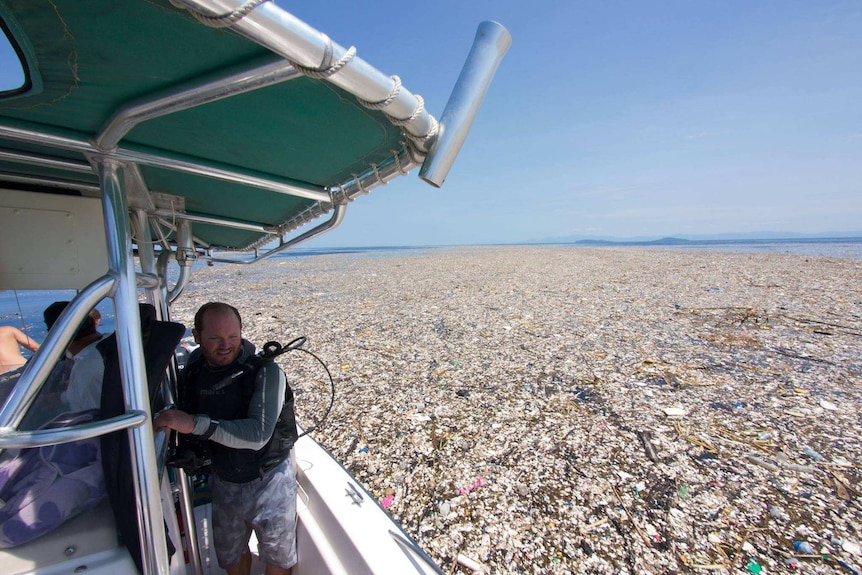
[659,242]
[712,238]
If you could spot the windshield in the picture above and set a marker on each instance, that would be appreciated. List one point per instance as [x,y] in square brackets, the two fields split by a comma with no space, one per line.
[12,76]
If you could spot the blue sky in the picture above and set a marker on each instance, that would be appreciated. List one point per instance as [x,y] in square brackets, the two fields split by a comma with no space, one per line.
[622,118]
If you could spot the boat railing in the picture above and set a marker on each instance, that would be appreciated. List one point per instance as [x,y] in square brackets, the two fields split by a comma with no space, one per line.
[43,437]
[52,350]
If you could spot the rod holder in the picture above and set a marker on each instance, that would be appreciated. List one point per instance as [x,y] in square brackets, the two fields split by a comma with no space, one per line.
[490,45]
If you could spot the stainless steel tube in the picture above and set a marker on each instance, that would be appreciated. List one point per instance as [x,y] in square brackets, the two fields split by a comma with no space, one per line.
[336,218]
[216,221]
[43,437]
[491,43]
[66,143]
[132,370]
[46,161]
[272,70]
[91,190]
[284,34]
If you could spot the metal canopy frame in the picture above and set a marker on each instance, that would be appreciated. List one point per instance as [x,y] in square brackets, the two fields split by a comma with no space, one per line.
[300,50]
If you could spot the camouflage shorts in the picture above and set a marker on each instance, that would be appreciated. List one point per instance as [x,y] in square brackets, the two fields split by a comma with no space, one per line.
[267,506]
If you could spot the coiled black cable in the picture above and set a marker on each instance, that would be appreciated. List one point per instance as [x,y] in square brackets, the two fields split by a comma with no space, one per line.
[273,349]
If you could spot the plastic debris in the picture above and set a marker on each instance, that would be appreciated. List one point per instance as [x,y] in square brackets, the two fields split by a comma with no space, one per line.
[472,487]
[762,462]
[813,454]
[804,547]
[828,405]
[470,564]
[646,440]
[754,567]
[847,566]
[777,513]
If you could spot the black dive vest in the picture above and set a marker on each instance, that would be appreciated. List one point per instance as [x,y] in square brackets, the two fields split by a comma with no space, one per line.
[229,398]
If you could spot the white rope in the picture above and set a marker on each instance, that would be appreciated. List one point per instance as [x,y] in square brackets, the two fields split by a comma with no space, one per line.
[359,183]
[397,155]
[417,156]
[377,174]
[322,73]
[393,93]
[227,19]
[420,107]
[416,153]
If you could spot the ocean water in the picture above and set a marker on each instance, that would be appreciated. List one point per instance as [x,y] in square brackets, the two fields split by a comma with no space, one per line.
[820,247]
[23,309]
[817,247]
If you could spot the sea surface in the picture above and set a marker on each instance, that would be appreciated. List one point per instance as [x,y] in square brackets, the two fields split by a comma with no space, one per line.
[816,247]
[23,309]
[821,247]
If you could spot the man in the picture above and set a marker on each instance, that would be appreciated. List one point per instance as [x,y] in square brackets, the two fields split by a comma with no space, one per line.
[243,406]
[82,388]
[10,355]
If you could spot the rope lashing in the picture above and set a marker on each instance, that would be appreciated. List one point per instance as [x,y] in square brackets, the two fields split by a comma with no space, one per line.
[377,174]
[322,73]
[227,19]
[359,183]
[393,93]
[397,155]
[420,107]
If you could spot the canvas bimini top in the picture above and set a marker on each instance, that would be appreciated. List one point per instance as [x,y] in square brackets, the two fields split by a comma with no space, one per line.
[229,115]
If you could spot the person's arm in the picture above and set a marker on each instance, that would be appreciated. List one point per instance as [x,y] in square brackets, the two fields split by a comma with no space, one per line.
[25,340]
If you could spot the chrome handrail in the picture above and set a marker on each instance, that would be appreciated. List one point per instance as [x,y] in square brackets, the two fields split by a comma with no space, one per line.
[39,368]
[10,439]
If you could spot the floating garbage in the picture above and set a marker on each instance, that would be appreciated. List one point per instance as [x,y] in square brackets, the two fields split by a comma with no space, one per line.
[474,566]
[813,454]
[472,487]
[754,567]
[847,566]
[828,405]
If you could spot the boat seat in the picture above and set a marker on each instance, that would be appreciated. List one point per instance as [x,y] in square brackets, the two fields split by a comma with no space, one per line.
[160,341]
[79,539]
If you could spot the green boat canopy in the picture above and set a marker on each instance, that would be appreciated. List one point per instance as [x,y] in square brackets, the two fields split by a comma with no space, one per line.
[247,143]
